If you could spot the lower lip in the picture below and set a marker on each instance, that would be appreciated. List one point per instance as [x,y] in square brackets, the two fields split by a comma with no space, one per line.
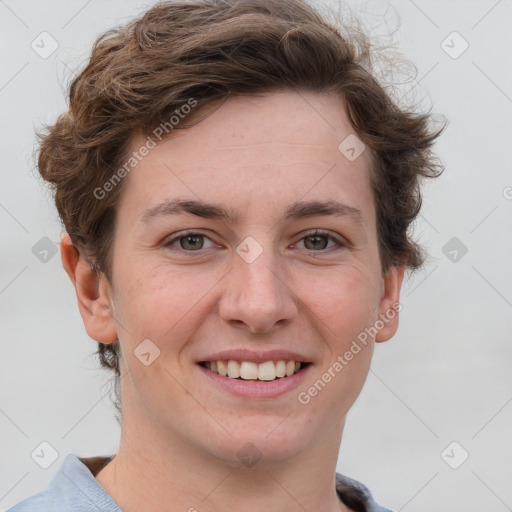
[257,388]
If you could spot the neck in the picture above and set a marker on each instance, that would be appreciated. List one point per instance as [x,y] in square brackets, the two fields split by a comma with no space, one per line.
[154,470]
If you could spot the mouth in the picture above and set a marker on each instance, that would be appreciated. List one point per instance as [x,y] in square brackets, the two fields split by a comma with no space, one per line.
[250,371]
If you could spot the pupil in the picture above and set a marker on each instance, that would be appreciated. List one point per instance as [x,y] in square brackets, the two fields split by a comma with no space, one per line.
[316,237]
[188,239]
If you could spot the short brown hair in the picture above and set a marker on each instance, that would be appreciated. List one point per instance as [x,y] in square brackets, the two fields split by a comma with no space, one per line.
[140,74]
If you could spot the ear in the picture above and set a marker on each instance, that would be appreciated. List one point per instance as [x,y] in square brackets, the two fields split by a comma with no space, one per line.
[389,302]
[92,291]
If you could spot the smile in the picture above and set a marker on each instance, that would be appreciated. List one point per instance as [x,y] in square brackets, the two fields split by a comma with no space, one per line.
[248,370]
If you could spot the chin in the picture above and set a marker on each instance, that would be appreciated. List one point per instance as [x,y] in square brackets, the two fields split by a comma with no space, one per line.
[270,440]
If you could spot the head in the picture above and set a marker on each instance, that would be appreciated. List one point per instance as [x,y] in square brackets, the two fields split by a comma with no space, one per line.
[253,107]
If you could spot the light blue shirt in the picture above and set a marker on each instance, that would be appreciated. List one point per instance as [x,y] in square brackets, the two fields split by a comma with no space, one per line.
[74,489]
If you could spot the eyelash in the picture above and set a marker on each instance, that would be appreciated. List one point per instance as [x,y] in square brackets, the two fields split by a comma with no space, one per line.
[309,234]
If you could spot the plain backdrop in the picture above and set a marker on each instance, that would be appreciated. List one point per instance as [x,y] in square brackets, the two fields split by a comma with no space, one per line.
[438,392]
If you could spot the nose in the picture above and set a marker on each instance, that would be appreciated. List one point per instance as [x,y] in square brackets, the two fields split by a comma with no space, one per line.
[257,296]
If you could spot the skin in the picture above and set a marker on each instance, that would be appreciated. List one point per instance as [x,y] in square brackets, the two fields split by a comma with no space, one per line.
[180,436]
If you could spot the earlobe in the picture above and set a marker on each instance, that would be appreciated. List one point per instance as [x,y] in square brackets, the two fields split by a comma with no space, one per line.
[389,306]
[92,292]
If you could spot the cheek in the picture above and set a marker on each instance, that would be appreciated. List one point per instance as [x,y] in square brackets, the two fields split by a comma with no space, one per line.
[354,305]
[152,289]
[162,304]
[344,309]
[344,302]
[156,315]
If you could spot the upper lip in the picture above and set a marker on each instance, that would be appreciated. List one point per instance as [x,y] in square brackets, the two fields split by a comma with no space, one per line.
[255,356]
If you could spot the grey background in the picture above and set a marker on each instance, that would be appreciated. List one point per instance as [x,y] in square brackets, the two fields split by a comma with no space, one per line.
[444,377]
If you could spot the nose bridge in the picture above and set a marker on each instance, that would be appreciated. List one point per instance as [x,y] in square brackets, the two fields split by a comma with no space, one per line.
[256,270]
[257,294]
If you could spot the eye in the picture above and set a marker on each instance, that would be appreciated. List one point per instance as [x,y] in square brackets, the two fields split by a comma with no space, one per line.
[193,241]
[190,241]
[316,240]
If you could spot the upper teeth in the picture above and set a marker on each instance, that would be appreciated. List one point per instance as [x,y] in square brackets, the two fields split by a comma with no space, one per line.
[269,370]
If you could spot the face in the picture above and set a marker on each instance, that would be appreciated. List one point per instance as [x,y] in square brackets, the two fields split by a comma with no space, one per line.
[279,278]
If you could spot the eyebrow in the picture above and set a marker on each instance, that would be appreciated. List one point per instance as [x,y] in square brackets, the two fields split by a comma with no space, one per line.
[296,211]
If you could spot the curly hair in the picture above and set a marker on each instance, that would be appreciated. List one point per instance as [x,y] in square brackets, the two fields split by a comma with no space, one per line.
[145,71]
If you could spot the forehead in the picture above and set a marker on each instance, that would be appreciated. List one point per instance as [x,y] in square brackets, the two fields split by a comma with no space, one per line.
[280,120]
[271,148]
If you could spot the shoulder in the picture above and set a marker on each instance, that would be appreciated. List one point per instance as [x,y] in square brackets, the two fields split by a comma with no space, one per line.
[72,489]
[356,495]
[37,502]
